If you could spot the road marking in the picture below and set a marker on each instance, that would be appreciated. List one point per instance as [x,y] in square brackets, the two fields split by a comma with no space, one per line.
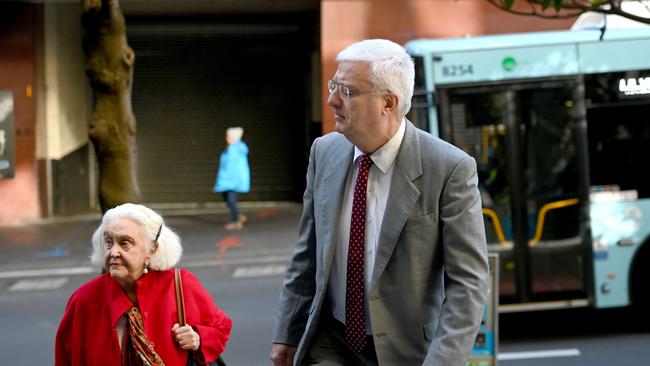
[41,284]
[48,272]
[240,260]
[570,352]
[58,251]
[259,271]
[70,271]
[232,241]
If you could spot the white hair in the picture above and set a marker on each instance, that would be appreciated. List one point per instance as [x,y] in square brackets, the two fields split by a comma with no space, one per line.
[169,244]
[391,68]
[235,133]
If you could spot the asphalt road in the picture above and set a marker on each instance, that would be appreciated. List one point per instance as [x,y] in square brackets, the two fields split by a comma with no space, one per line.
[40,266]
[248,293]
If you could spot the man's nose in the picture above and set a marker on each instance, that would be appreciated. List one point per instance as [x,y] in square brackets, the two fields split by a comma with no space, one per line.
[334,98]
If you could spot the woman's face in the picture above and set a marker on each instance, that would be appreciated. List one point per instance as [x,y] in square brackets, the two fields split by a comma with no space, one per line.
[126,251]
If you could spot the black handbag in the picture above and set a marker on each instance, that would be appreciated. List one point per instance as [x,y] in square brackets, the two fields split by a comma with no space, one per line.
[180,307]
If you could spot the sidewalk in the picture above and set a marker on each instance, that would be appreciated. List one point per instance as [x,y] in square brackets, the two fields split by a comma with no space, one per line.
[270,231]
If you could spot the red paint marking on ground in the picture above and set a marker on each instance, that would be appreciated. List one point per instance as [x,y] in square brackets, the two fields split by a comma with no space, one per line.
[266,213]
[231,241]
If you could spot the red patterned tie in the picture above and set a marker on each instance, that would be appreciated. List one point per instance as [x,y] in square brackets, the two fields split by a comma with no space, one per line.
[355,326]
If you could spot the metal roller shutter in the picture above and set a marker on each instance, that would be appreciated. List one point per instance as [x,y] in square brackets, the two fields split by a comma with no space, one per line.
[193,80]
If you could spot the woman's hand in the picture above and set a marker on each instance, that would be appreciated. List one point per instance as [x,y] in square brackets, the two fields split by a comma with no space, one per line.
[186,337]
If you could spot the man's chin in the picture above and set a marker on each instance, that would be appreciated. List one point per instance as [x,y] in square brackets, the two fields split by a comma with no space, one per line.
[341,127]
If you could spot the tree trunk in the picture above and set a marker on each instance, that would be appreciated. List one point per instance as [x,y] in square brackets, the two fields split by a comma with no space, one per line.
[109,65]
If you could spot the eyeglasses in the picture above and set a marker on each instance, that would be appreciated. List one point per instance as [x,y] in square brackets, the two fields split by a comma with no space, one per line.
[343,90]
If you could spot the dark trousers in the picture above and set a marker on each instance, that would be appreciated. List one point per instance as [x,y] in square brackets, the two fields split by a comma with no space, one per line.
[329,348]
[231,200]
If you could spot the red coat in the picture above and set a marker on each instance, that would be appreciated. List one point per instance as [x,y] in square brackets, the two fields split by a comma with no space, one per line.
[87,334]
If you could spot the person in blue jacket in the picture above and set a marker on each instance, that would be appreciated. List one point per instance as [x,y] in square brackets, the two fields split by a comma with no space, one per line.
[234,175]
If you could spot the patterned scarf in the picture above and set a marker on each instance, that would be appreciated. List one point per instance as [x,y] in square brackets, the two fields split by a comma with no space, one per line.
[136,349]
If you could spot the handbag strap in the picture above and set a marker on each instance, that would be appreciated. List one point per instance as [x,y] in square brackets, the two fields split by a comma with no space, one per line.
[180,307]
[180,302]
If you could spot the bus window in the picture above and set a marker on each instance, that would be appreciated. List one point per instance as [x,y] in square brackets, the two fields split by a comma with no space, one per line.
[618,133]
[619,145]
[477,128]
[551,185]
[551,168]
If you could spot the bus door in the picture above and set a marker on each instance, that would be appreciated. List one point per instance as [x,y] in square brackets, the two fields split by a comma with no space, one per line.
[524,138]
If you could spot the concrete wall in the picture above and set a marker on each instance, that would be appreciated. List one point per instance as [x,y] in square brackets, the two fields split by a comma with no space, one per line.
[346,21]
[65,122]
[63,105]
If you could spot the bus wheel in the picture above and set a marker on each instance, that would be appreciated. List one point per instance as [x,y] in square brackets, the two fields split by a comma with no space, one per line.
[639,290]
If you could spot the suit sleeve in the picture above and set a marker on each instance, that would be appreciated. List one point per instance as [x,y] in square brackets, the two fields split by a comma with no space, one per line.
[299,284]
[466,267]
[212,324]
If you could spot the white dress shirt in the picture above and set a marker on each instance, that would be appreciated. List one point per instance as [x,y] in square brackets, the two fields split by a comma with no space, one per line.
[379,178]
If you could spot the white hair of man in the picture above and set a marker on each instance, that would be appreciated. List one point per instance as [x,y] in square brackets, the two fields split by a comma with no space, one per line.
[391,68]
[150,222]
[235,133]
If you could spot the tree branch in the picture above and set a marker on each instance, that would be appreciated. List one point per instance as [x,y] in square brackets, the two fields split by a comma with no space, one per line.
[618,11]
[571,8]
[533,12]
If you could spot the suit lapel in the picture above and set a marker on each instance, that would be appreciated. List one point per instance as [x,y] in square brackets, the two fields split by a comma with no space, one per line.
[402,197]
[332,190]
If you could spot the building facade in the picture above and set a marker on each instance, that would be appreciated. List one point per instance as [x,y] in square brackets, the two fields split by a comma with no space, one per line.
[201,66]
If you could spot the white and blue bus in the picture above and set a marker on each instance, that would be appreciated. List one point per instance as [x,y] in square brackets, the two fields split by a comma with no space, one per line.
[559,124]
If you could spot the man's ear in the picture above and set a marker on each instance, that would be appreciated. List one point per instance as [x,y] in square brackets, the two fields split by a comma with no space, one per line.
[391,101]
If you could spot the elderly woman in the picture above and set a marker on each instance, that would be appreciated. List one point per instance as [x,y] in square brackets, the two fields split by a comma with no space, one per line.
[128,315]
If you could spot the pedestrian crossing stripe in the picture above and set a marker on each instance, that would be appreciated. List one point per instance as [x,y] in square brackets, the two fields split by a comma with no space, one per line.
[39,284]
[259,271]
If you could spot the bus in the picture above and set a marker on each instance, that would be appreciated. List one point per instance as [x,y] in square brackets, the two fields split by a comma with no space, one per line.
[559,125]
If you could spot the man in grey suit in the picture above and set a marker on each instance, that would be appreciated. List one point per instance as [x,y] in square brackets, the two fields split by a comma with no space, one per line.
[390,267]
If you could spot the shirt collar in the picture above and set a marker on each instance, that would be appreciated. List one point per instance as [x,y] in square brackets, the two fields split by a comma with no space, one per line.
[384,156]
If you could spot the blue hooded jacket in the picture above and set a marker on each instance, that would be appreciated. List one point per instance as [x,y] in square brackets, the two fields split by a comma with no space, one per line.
[234,172]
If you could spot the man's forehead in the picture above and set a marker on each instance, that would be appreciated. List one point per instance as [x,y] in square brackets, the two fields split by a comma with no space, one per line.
[358,71]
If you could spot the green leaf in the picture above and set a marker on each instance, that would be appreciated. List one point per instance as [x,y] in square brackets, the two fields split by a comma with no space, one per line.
[546,4]
[507,4]
[559,4]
